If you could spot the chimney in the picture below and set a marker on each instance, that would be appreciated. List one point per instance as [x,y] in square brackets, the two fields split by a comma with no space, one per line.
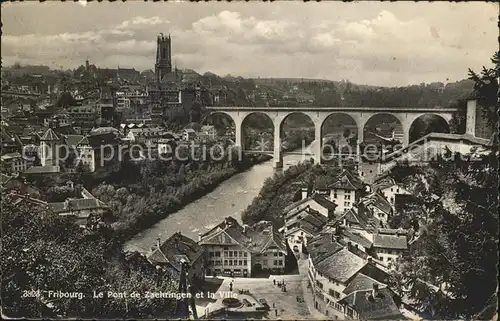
[158,243]
[245,229]
[375,290]
[199,237]
[370,260]
[304,192]
[66,204]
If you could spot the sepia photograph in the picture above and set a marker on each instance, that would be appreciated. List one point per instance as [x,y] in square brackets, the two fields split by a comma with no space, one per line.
[249,160]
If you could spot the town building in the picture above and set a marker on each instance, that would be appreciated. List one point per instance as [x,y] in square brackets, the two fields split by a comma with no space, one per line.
[80,210]
[238,250]
[376,206]
[178,249]
[13,163]
[389,245]
[208,132]
[188,134]
[346,191]
[316,202]
[335,272]
[302,224]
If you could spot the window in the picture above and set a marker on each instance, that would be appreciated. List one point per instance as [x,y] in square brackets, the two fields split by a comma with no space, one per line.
[225,262]
[319,284]
[226,248]
[225,254]
[280,262]
[244,262]
[275,254]
[211,254]
[240,262]
[275,262]
[391,189]
[348,197]
[346,204]
[334,293]
[230,262]
[217,254]
[281,254]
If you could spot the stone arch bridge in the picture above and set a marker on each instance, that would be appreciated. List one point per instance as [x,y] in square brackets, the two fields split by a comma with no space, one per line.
[318,115]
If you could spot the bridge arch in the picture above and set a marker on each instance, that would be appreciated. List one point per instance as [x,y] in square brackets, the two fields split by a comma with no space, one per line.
[223,122]
[260,135]
[382,126]
[427,123]
[338,129]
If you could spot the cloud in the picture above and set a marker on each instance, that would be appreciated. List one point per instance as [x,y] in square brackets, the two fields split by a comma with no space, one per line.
[384,45]
[140,22]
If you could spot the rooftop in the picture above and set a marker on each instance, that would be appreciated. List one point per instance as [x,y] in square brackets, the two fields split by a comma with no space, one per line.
[255,239]
[340,266]
[176,248]
[347,181]
[390,241]
[380,307]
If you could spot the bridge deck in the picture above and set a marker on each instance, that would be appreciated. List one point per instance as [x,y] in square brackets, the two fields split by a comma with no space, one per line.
[340,109]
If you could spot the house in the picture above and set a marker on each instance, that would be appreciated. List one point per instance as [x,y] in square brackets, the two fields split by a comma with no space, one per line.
[359,220]
[390,244]
[372,304]
[15,163]
[346,191]
[177,249]
[377,206]
[315,201]
[81,209]
[336,271]
[233,249]
[301,224]
[188,134]
[390,190]
[97,152]
[166,144]
[208,131]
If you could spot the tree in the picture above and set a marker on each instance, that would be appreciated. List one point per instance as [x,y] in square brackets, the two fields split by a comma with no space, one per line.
[486,90]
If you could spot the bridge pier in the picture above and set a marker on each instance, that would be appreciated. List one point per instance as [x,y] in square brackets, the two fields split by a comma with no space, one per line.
[278,155]
[317,148]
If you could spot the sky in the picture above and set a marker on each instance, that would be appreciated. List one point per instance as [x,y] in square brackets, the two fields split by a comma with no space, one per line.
[373,43]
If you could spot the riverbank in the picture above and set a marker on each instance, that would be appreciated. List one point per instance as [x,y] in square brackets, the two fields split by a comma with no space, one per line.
[160,192]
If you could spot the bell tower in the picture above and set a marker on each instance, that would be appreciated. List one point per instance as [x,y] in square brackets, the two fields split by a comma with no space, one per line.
[163,64]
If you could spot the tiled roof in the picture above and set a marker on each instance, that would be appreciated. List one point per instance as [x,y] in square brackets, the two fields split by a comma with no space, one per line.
[42,170]
[176,248]
[100,139]
[255,239]
[378,201]
[361,282]
[347,181]
[50,135]
[321,200]
[340,266]
[357,238]
[74,205]
[10,156]
[390,241]
[382,307]
[73,140]
[322,246]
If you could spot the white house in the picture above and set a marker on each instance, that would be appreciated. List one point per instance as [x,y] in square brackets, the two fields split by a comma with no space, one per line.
[15,163]
[346,191]
[390,244]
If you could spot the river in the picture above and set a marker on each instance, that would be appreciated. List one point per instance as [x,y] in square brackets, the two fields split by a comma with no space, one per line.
[230,198]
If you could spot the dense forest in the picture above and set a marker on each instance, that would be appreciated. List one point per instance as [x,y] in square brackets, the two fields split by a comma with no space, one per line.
[142,194]
[43,251]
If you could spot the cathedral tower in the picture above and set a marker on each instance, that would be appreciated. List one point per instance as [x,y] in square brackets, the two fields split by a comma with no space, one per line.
[163,64]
